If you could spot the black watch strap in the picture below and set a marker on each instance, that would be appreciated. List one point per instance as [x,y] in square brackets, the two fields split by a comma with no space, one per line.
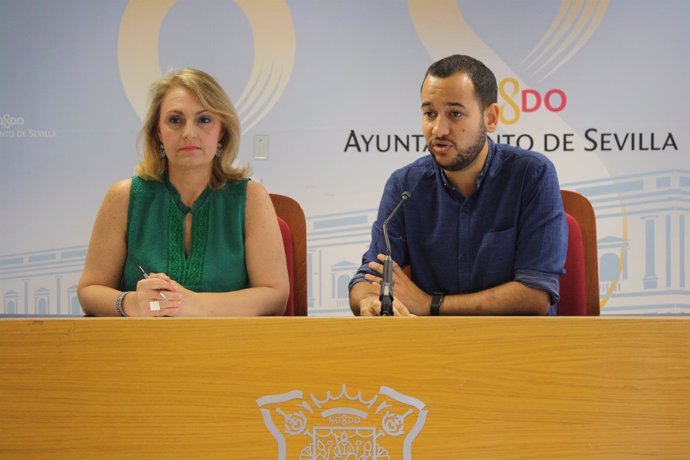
[436,301]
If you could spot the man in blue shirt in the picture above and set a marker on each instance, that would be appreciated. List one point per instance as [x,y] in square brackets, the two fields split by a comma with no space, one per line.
[484,232]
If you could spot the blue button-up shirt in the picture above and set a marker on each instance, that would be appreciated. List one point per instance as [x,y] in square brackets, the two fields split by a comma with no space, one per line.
[511,228]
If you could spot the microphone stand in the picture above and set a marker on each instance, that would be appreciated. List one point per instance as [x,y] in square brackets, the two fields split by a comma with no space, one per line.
[386,293]
[386,296]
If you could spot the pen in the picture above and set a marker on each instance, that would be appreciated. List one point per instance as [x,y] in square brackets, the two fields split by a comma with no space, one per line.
[146,275]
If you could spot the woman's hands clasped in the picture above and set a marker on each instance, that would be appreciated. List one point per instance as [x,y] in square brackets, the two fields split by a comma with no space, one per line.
[157,295]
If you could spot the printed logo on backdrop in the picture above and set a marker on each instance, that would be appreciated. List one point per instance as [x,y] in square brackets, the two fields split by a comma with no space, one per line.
[443,27]
[517,102]
[14,126]
[343,426]
[274,54]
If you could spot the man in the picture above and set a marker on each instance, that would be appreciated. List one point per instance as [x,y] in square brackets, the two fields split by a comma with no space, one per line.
[484,232]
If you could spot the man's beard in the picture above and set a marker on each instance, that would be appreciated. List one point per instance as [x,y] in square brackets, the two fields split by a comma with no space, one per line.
[465,157]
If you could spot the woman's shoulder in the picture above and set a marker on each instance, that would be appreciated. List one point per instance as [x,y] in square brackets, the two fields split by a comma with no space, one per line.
[116,200]
[255,187]
[256,192]
[120,190]
[242,187]
[259,206]
[135,187]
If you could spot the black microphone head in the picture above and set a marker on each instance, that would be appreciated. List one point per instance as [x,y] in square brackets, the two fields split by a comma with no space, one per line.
[406,196]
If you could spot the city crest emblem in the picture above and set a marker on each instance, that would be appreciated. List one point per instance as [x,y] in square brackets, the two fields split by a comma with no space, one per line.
[343,427]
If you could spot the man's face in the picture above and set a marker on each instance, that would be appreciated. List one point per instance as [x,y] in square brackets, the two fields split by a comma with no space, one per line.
[452,121]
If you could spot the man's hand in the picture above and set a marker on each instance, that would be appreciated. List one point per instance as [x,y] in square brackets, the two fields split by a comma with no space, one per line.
[413,299]
[371,306]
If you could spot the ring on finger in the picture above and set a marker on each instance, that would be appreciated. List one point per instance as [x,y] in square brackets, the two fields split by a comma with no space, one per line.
[154,305]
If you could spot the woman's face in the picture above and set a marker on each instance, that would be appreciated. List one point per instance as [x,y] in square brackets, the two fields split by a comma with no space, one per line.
[188,131]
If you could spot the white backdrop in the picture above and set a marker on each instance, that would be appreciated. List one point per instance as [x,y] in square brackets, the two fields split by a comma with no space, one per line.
[335,87]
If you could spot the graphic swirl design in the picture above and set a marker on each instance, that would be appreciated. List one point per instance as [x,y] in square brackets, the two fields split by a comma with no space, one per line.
[274,54]
[573,26]
[443,29]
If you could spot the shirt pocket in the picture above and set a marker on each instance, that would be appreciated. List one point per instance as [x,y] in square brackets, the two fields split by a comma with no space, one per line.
[495,260]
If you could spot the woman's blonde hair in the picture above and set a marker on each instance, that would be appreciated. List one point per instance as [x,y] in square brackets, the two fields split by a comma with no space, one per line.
[215,100]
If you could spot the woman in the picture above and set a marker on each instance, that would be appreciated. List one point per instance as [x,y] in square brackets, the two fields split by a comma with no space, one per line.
[205,236]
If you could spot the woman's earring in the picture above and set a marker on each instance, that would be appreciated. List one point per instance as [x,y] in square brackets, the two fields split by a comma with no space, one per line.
[219,149]
[161,151]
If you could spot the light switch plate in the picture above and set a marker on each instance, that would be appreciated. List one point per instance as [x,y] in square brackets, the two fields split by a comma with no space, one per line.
[261,146]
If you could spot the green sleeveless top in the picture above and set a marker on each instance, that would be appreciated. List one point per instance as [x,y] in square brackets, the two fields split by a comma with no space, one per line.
[155,236]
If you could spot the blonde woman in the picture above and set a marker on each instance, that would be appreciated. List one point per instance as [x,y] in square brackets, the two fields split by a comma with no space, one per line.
[190,234]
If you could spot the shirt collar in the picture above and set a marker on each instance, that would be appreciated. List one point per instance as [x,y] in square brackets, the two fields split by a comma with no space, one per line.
[487,163]
[178,200]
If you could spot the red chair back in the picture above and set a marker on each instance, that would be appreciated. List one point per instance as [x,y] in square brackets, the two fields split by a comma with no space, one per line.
[294,231]
[287,243]
[582,260]
[573,290]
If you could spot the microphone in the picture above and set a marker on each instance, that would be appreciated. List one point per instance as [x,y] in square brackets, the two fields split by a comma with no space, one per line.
[386,295]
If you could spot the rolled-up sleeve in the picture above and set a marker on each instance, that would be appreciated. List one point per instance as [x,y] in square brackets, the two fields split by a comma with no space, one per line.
[543,240]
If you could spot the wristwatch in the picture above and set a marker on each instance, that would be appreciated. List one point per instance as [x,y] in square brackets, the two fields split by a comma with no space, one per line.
[436,301]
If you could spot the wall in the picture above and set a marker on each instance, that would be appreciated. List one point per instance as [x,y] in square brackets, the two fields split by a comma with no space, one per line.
[598,86]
